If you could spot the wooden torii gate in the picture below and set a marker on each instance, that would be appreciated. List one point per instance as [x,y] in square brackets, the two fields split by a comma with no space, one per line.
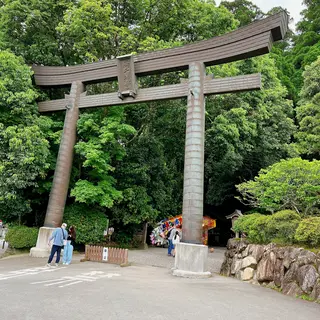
[252,40]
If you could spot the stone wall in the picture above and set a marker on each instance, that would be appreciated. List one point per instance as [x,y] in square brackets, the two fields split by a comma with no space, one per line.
[294,271]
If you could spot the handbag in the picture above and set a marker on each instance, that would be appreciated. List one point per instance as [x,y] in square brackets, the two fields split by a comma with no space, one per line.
[64,240]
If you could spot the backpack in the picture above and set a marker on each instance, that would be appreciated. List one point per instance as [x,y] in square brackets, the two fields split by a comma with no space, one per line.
[176,239]
[168,234]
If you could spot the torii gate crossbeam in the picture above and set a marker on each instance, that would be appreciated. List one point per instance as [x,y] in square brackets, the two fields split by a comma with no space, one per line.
[246,42]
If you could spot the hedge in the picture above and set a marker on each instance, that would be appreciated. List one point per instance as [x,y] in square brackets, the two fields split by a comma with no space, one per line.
[89,223]
[254,226]
[280,227]
[308,232]
[22,237]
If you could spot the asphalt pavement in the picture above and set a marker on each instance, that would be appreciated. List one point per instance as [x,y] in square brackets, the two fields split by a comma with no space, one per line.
[158,257]
[91,290]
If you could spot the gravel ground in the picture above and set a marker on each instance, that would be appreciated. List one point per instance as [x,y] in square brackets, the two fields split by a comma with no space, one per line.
[157,257]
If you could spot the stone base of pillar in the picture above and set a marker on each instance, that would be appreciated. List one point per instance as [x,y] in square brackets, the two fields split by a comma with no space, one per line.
[191,261]
[42,250]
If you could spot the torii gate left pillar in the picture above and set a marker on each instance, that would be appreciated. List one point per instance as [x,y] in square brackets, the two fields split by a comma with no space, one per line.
[60,184]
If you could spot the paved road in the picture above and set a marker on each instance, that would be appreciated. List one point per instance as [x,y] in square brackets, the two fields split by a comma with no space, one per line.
[100,291]
[157,257]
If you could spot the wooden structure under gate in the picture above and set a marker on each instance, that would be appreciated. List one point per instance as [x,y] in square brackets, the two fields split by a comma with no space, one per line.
[114,255]
[246,42]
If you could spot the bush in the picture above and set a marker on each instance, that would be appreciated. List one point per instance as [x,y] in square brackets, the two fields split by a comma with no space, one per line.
[308,232]
[89,223]
[279,227]
[289,184]
[21,237]
[254,226]
[282,226]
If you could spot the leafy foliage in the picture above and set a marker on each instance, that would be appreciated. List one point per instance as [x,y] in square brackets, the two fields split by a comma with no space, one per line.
[289,184]
[308,231]
[28,29]
[88,221]
[254,226]
[244,11]
[21,237]
[102,141]
[88,31]
[308,112]
[306,48]
[282,226]
[246,132]
[23,147]
[279,227]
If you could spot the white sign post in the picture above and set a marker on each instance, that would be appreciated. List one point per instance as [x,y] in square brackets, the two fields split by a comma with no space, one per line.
[105,254]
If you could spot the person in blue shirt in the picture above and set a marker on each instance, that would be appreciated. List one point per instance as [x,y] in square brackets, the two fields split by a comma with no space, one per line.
[58,236]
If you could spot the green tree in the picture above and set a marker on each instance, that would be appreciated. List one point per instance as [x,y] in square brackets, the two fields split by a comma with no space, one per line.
[148,181]
[306,42]
[289,184]
[103,138]
[88,32]
[244,11]
[308,112]
[245,132]
[28,28]
[23,147]
[88,220]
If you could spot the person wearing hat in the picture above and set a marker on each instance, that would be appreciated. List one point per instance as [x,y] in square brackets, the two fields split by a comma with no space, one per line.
[59,237]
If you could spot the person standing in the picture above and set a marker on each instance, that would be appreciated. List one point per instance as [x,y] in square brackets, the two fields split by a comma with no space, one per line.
[175,241]
[59,236]
[171,235]
[68,248]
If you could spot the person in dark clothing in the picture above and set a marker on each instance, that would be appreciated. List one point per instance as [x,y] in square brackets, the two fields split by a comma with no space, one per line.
[68,248]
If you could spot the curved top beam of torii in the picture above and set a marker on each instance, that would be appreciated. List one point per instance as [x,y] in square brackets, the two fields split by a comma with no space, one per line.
[249,41]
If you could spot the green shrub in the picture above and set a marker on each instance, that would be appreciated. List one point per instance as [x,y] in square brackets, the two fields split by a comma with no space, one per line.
[22,237]
[89,223]
[254,226]
[285,227]
[308,232]
[123,238]
[282,226]
[289,184]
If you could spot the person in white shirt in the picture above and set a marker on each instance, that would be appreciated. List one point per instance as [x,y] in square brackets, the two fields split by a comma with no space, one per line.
[175,240]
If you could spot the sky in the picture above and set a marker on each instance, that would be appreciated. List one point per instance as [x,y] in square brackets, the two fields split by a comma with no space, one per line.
[293,6]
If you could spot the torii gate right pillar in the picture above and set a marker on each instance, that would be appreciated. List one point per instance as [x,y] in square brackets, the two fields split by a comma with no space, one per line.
[191,255]
[193,181]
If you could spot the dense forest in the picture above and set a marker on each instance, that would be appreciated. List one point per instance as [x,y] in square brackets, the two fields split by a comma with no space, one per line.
[128,163]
